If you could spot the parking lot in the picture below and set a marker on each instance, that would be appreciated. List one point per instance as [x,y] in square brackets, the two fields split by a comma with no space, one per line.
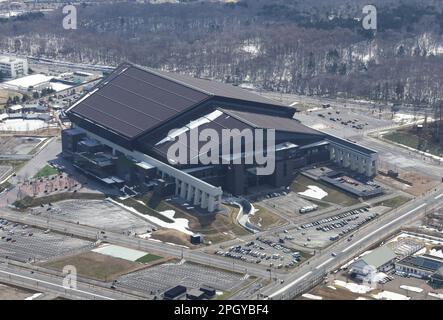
[157,279]
[267,251]
[320,233]
[290,204]
[343,122]
[95,213]
[25,244]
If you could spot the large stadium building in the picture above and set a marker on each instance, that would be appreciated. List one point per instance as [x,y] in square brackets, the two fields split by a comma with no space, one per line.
[123,128]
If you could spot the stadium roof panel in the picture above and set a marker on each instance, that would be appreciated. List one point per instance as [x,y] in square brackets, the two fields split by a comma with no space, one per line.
[133,100]
[260,120]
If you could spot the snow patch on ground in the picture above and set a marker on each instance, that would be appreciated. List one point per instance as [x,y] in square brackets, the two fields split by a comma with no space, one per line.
[314,192]
[410,288]
[388,295]
[179,224]
[34,296]
[353,287]
[319,126]
[436,253]
[22,125]
[311,296]
[436,295]
[251,49]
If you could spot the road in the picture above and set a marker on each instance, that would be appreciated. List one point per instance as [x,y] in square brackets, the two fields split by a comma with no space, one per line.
[39,281]
[132,242]
[324,262]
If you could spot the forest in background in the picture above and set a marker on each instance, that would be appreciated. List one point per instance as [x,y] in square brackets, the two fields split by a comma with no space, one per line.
[315,47]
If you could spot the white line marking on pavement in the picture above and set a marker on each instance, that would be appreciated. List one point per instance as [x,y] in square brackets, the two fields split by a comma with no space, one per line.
[384,226]
[55,285]
[324,263]
[290,284]
[439,196]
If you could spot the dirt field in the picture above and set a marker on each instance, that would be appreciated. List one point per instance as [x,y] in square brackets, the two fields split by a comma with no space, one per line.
[420,183]
[265,218]
[95,266]
[218,227]
[338,294]
[334,196]
[13,293]
[215,227]
[19,145]
[172,236]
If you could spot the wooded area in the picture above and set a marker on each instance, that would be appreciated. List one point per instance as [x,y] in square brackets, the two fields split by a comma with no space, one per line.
[307,47]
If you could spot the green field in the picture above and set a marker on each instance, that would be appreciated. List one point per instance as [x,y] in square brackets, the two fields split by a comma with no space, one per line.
[46,171]
[148,258]
[414,141]
[394,202]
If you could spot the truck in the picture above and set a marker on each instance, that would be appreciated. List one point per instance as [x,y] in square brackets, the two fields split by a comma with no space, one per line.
[308,209]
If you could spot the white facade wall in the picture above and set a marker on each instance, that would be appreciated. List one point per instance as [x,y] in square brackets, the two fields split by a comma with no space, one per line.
[13,67]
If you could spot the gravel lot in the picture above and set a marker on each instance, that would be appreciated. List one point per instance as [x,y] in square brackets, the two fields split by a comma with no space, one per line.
[96,213]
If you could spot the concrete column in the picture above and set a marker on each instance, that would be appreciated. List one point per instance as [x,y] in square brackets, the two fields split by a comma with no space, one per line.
[197,197]
[336,155]
[370,169]
[361,167]
[340,157]
[331,153]
[218,202]
[183,190]
[354,162]
[190,193]
[177,186]
[211,203]
[204,200]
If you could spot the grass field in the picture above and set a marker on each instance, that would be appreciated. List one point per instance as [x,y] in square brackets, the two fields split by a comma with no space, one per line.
[265,218]
[148,258]
[394,202]
[411,139]
[95,266]
[46,171]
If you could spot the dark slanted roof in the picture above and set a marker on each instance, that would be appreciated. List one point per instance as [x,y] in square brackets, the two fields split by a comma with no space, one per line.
[219,89]
[134,100]
[216,120]
[265,121]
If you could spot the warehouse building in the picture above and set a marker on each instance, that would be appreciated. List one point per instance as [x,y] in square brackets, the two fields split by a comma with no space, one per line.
[124,129]
[378,260]
[423,266]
